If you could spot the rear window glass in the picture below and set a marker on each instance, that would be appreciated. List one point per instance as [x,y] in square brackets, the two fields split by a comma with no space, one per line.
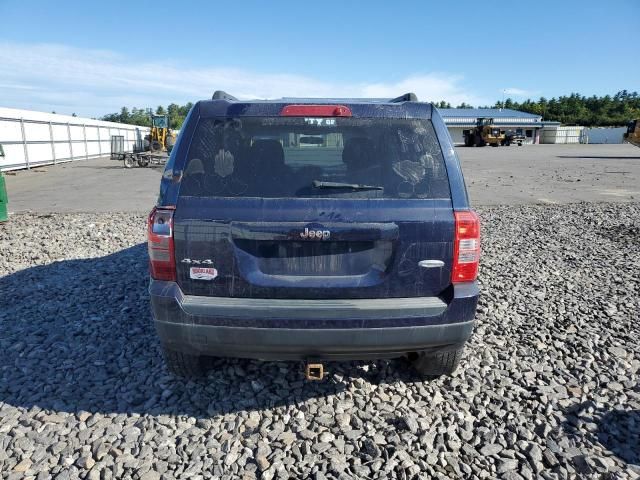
[315,157]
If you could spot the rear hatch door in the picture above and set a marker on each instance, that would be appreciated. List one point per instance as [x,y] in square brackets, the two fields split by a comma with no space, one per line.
[310,208]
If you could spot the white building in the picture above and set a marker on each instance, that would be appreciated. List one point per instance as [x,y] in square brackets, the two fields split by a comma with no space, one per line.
[460,120]
[31,138]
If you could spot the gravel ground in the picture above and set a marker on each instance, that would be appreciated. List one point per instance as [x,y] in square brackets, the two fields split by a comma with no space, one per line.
[548,386]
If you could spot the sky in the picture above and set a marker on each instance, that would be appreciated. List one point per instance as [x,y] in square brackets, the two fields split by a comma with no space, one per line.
[92,58]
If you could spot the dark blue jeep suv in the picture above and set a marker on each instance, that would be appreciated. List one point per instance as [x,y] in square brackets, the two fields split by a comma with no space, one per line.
[313,229]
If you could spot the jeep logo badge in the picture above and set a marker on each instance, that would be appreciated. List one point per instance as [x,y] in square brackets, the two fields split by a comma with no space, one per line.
[315,234]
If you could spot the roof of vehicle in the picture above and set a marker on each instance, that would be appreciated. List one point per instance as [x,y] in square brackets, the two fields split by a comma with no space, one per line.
[405,106]
[319,101]
[485,112]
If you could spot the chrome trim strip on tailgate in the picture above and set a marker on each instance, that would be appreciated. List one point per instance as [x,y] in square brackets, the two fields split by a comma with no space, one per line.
[313,309]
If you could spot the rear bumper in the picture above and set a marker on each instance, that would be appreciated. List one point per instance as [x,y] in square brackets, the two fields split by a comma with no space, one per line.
[317,329]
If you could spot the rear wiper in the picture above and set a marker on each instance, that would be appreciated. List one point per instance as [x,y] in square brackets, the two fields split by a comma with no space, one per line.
[354,186]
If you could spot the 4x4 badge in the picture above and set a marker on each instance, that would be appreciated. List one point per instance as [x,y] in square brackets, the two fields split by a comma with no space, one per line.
[206,261]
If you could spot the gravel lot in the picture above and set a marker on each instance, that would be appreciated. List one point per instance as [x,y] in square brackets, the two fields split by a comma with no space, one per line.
[548,386]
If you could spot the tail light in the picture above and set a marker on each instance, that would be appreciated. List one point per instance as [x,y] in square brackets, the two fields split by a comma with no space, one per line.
[466,248]
[162,260]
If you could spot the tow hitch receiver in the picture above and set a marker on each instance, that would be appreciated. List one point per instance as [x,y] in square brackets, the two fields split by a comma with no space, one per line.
[314,371]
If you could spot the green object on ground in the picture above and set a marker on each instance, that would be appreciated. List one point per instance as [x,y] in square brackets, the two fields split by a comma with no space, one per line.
[4,200]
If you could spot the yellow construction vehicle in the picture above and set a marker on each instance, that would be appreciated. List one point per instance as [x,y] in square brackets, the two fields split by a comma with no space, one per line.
[160,138]
[483,134]
[633,133]
[155,149]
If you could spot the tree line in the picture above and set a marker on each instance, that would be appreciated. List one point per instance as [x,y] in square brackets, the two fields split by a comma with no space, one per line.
[576,109]
[573,109]
[141,116]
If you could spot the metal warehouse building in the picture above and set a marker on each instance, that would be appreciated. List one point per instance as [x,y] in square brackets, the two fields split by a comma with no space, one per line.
[459,120]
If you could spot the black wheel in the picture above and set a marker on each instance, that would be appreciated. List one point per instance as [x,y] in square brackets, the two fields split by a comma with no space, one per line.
[184,364]
[439,363]
[129,161]
[143,162]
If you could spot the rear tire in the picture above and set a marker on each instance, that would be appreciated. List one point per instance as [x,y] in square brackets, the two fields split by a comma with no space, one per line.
[430,365]
[184,364]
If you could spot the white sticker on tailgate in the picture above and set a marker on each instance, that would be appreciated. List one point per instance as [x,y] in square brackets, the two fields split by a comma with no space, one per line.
[203,273]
